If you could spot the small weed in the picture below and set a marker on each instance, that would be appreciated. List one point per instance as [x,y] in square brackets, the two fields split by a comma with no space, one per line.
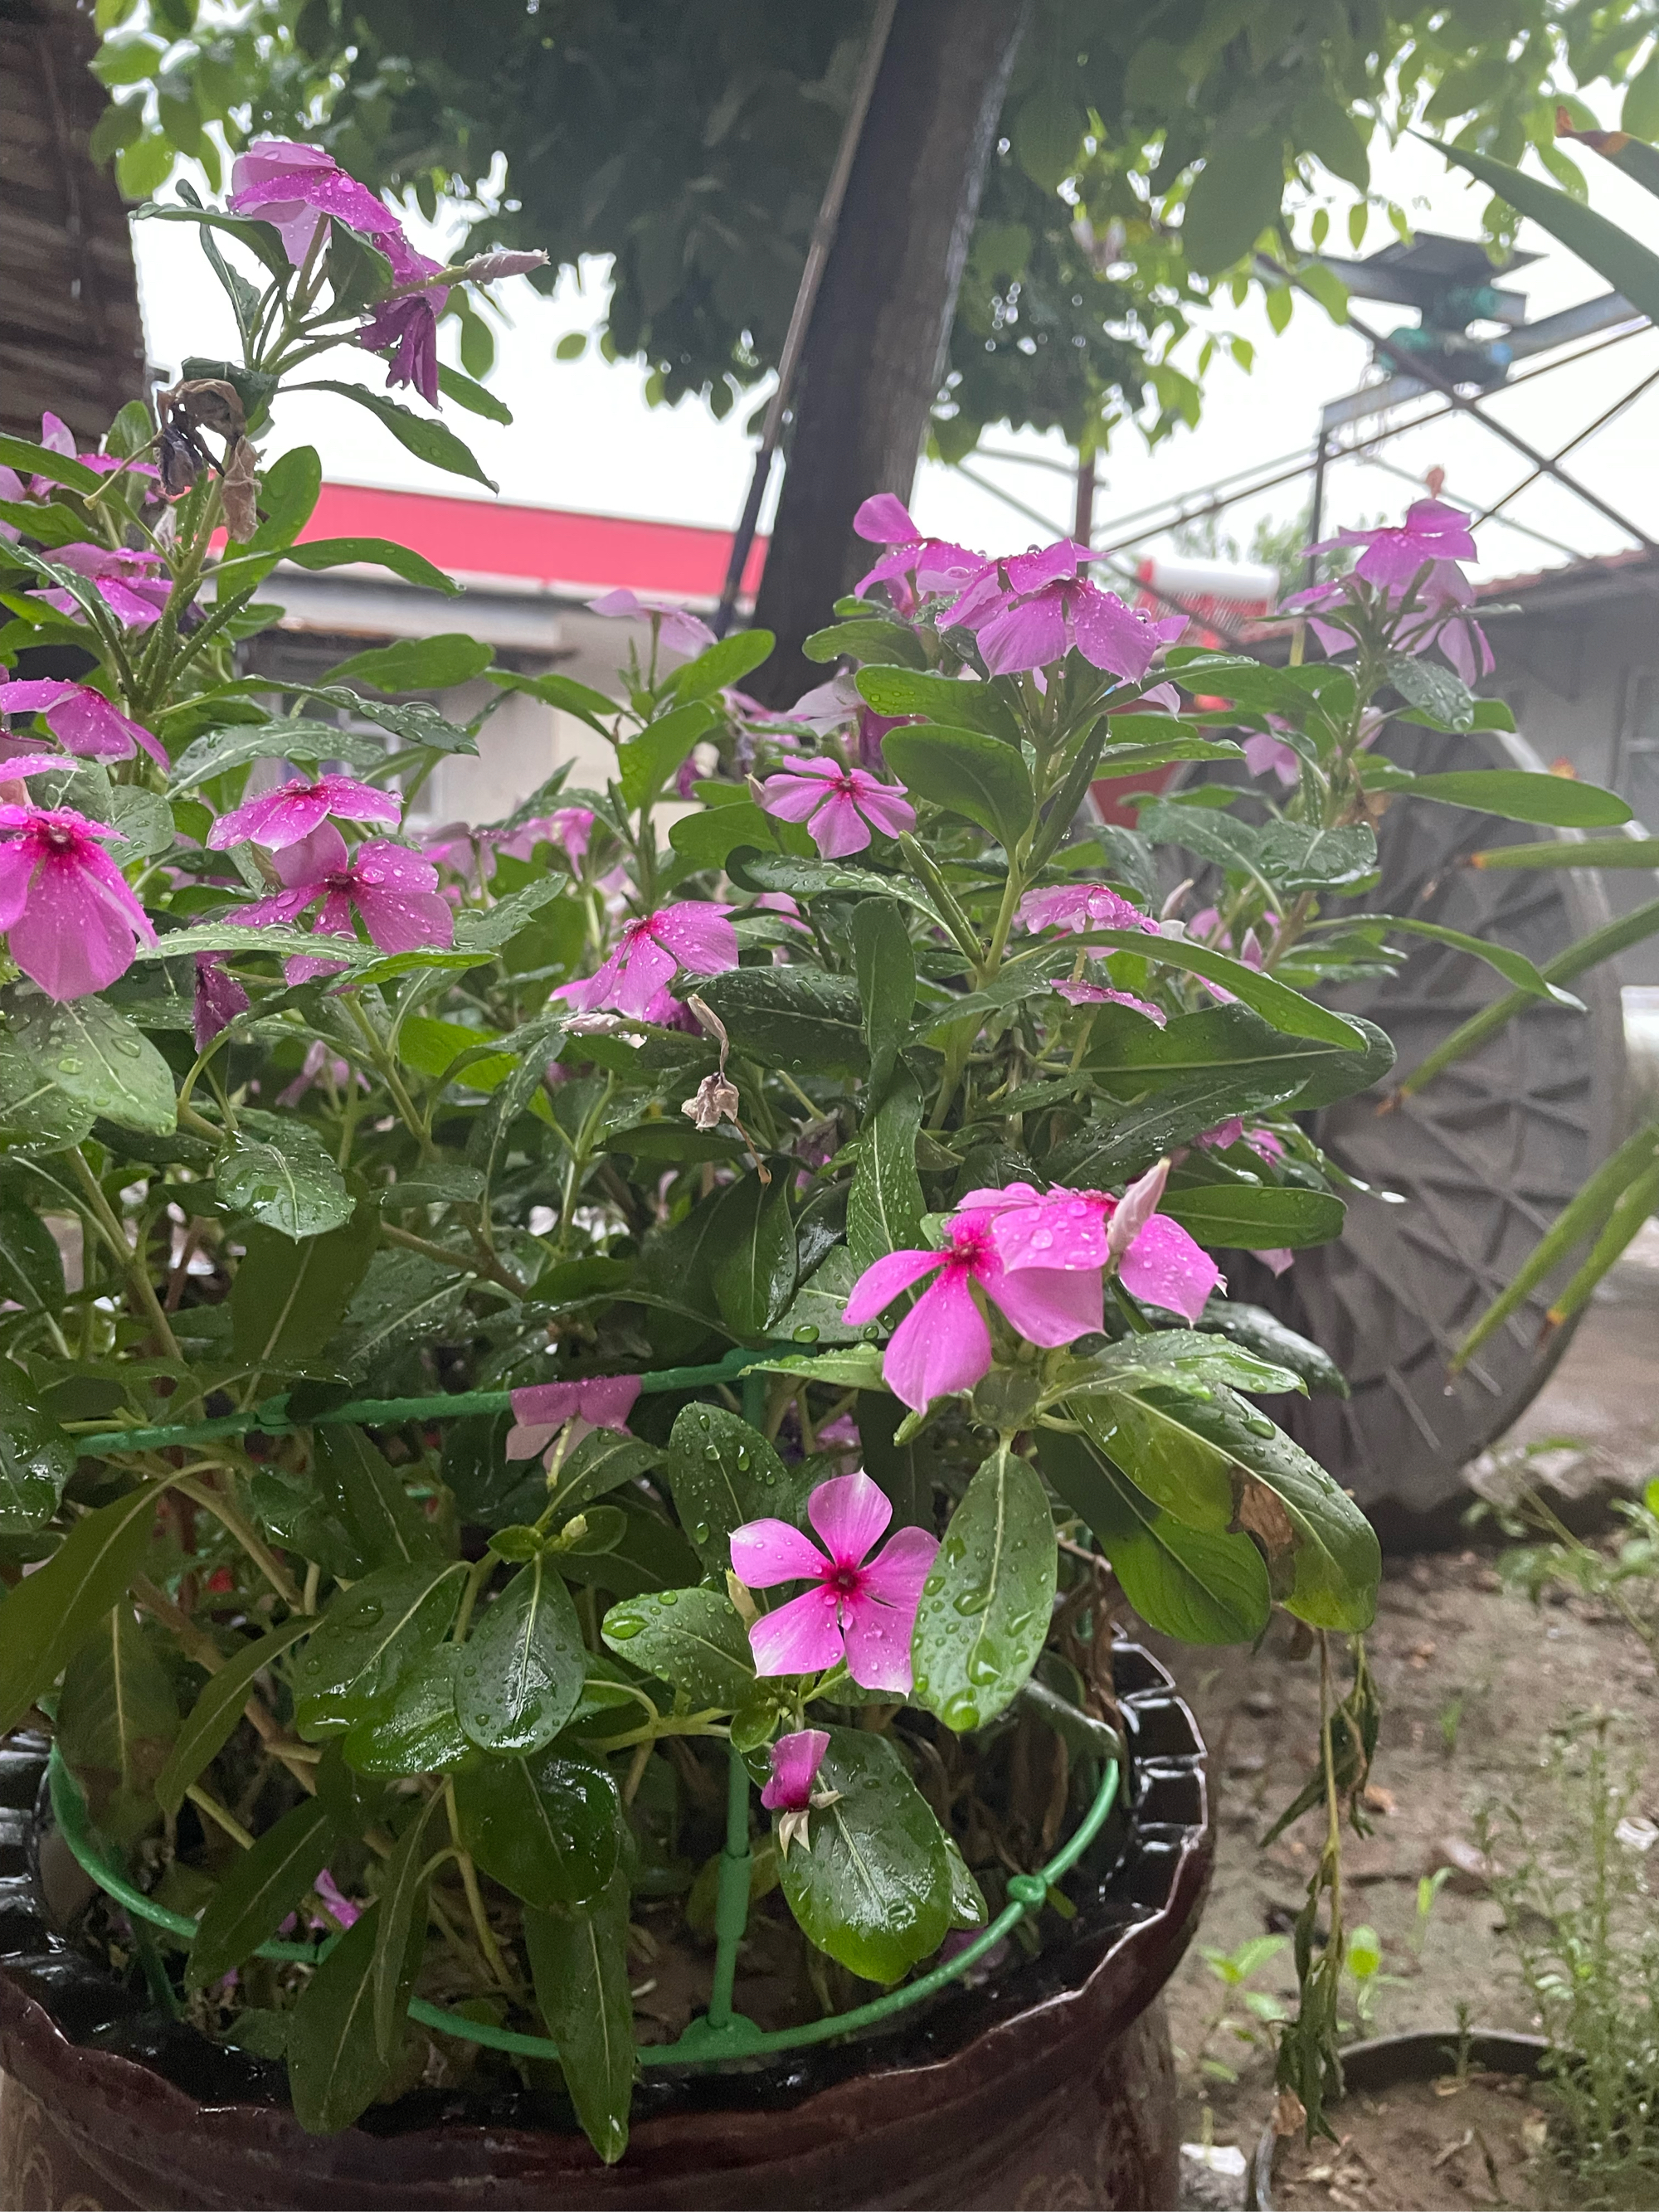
[1451,1719]
[1233,1969]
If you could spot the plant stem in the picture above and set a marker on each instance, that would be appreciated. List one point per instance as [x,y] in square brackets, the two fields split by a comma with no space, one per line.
[132,1262]
[259,1551]
[204,1802]
[482,1929]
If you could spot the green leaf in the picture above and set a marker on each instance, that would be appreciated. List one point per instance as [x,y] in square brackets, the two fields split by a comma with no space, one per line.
[752,1255]
[427,440]
[579,1963]
[594,707]
[1265,1335]
[1234,198]
[1185,1356]
[212,1719]
[359,1484]
[1322,126]
[98,1057]
[218,751]
[260,237]
[651,1556]
[288,491]
[468,393]
[885,1204]
[259,1889]
[1047,132]
[288,1298]
[874,1890]
[548,1828]
[720,665]
[807,878]
[1584,853]
[418,1733]
[46,1617]
[885,963]
[1275,1002]
[400,1929]
[1129,1055]
[601,1462]
[1514,795]
[369,1640]
[707,839]
[37,1458]
[986,1603]
[520,1670]
[646,762]
[30,460]
[35,1115]
[1105,1151]
[403,1299]
[815,1316]
[289,1182]
[335,2070]
[117,1718]
[866,638]
[794,1017]
[721,1473]
[1184,1582]
[31,1267]
[1237,1217]
[415,721]
[376,552]
[959,705]
[1514,967]
[690,1638]
[1629,266]
[416,664]
[1295,857]
[967,773]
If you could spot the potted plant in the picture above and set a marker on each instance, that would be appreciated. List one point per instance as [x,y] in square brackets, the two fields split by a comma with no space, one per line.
[566,1531]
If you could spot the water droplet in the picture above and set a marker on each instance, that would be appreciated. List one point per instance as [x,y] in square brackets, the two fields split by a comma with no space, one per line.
[712,1454]
[743,1458]
[1043,1238]
[922,1686]
[69,1064]
[982,1670]
[807,1333]
[961,1713]
[1258,1425]
[972,1601]
[700,1533]
[668,1597]
[624,1628]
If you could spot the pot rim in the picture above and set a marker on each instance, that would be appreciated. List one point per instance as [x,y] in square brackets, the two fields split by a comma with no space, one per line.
[1132,1934]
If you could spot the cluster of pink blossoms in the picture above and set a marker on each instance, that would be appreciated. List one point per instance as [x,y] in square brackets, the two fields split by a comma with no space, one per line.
[1425,548]
[1042,1258]
[695,935]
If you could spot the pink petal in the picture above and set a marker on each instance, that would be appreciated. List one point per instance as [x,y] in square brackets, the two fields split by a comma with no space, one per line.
[799,1637]
[698,934]
[896,1578]
[645,968]
[1048,564]
[1027,636]
[74,936]
[1277,1257]
[608,1399]
[312,859]
[943,1345]
[1048,1306]
[542,1403]
[884,519]
[791,797]
[850,1512]
[1165,1267]
[795,1762]
[881,1283]
[880,1619]
[887,808]
[530,1439]
[838,829]
[402,921]
[766,1552]
[1110,635]
[1067,1230]
[618,606]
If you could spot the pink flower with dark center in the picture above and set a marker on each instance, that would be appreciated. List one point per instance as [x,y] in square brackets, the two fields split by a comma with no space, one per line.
[1083,994]
[678,630]
[694,935]
[859,1609]
[944,1344]
[916,567]
[1031,609]
[219,999]
[542,1409]
[1432,531]
[408,324]
[790,1794]
[394,891]
[73,922]
[1154,1257]
[1076,908]
[279,818]
[296,188]
[134,586]
[839,805]
[82,720]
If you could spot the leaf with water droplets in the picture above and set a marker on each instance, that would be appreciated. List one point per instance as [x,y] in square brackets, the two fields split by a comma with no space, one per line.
[547,1828]
[90,1050]
[986,1603]
[520,1671]
[723,1473]
[690,1638]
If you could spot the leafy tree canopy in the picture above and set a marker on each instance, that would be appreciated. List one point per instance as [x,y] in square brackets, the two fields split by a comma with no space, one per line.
[1143,153]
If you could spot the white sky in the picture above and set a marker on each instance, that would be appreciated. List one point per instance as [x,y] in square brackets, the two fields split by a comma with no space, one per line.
[583,438]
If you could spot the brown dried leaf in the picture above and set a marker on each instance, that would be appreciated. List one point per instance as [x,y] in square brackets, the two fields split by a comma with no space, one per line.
[1290,2113]
[238,488]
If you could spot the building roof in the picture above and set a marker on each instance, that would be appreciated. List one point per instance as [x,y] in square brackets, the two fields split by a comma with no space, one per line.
[493,544]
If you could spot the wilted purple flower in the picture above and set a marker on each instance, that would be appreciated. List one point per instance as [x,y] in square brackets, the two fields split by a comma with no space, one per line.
[790,1793]
[219,999]
[408,324]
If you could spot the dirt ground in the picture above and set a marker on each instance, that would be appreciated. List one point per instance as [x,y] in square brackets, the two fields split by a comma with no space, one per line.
[1471,1678]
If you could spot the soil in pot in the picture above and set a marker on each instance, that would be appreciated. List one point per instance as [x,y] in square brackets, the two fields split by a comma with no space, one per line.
[1424,2146]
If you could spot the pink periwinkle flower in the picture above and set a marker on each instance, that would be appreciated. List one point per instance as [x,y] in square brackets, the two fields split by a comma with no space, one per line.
[915,567]
[1031,609]
[569,828]
[1431,531]
[341,1908]
[1082,1230]
[839,805]
[320,1065]
[394,889]
[73,922]
[57,438]
[790,1793]
[82,720]
[944,1343]
[679,630]
[859,1609]
[406,325]
[1277,1258]
[695,935]
[296,188]
[1267,755]
[1083,994]
[1076,908]
[134,586]
[219,999]
[1427,548]
[542,1409]
[279,818]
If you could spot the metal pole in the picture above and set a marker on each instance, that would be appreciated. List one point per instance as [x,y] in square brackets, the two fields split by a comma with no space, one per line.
[1317,506]
[818,255]
[1083,518]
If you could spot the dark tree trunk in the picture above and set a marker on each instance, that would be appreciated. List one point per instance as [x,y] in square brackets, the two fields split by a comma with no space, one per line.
[875,351]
